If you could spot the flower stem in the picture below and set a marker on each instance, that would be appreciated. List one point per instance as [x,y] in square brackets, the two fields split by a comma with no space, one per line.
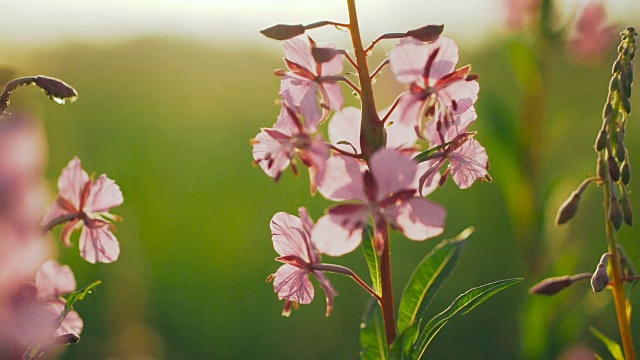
[338,269]
[372,135]
[388,313]
[60,220]
[617,284]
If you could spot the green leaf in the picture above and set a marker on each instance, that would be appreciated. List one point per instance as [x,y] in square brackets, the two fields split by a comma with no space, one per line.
[426,155]
[77,296]
[428,277]
[373,339]
[461,306]
[372,258]
[611,345]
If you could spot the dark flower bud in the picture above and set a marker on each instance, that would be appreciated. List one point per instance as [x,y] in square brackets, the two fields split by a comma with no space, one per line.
[607,110]
[426,33]
[627,211]
[551,286]
[625,173]
[283,31]
[621,152]
[616,67]
[615,214]
[614,85]
[323,55]
[601,140]
[614,170]
[56,89]
[602,168]
[568,209]
[600,278]
[626,104]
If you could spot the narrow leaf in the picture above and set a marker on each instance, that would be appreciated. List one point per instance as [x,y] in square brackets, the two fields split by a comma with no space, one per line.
[373,340]
[373,261]
[612,346]
[428,277]
[461,306]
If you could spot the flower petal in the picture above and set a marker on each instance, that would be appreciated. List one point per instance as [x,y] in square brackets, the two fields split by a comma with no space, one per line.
[447,57]
[103,195]
[298,50]
[289,236]
[293,284]
[392,171]
[345,127]
[273,154]
[98,244]
[54,279]
[468,163]
[334,95]
[315,156]
[336,234]
[342,180]
[72,181]
[329,291]
[407,60]
[418,218]
[409,109]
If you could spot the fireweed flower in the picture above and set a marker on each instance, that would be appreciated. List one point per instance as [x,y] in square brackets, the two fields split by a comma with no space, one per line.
[305,75]
[592,37]
[274,148]
[85,203]
[520,12]
[429,70]
[291,239]
[386,191]
[52,281]
[468,160]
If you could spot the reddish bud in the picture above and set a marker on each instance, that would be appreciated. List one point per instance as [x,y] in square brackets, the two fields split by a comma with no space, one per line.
[614,170]
[551,286]
[625,173]
[601,141]
[627,210]
[323,55]
[56,89]
[615,214]
[283,31]
[568,209]
[426,33]
[600,279]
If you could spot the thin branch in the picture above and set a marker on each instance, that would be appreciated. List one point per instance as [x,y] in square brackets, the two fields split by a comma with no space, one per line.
[379,68]
[60,220]
[383,37]
[325,23]
[338,269]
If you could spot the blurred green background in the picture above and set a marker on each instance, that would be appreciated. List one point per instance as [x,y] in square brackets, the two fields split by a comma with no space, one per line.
[170,119]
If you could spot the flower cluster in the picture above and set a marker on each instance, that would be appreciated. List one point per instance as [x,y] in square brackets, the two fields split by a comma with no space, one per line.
[425,138]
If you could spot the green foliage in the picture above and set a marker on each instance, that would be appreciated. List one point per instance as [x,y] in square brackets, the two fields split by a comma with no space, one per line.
[461,306]
[373,260]
[612,346]
[436,266]
[373,340]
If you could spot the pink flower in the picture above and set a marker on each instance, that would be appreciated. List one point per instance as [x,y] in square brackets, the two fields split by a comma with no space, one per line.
[292,241]
[592,36]
[520,12]
[344,130]
[306,76]
[386,191]
[429,71]
[84,201]
[52,281]
[274,148]
[468,160]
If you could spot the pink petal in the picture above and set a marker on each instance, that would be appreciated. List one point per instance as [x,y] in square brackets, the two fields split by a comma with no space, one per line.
[392,171]
[54,212]
[329,291]
[297,87]
[298,50]
[345,126]
[72,323]
[293,284]
[273,155]
[407,60]
[333,66]
[289,236]
[68,229]
[468,163]
[334,94]
[98,244]
[399,134]
[315,156]
[464,93]
[339,234]
[433,178]
[418,218]
[285,124]
[447,57]
[54,279]
[307,222]
[104,195]
[311,111]
[592,17]
[72,181]
[409,109]
[342,180]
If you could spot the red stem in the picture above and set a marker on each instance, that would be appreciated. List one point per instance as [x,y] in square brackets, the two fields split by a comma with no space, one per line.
[386,303]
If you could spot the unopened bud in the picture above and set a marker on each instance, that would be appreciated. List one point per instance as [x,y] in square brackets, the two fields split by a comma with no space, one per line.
[614,170]
[615,214]
[602,168]
[568,209]
[627,211]
[283,31]
[616,67]
[626,104]
[551,286]
[56,89]
[614,84]
[323,55]
[625,173]
[607,110]
[601,140]
[620,149]
[426,33]
[600,278]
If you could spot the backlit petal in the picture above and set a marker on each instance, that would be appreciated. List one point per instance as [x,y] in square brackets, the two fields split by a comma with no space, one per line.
[72,181]
[98,244]
[418,218]
[289,236]
[54,279]
[392,171]
[293,284]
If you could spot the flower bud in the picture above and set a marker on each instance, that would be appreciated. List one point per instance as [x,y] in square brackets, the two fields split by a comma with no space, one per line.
[601,140]
[607,110]
[627,211]
[551,286]
[600,278]
[283,31]
[626,104]
[568,209]
[56,89]
[614,170]
[616,67]
[625,173]
[426,33]
[602,168]
[323,55]
[615,214]
[620,149]
[614,85]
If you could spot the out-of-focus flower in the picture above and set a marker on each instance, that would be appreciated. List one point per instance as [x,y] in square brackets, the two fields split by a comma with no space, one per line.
[52,281]
[291,239]
[306,75]
[274,148]
[592,36]
[519,13]
[429,70]
[85,203]
[386,191]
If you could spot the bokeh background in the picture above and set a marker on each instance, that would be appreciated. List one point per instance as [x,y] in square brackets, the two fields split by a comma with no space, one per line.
[170,94]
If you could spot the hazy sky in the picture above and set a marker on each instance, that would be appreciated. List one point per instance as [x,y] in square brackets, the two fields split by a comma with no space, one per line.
[42,21]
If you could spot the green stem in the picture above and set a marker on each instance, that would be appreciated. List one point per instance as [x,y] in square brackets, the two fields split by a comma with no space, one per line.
[372,135]
[617,284]
[381,236]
